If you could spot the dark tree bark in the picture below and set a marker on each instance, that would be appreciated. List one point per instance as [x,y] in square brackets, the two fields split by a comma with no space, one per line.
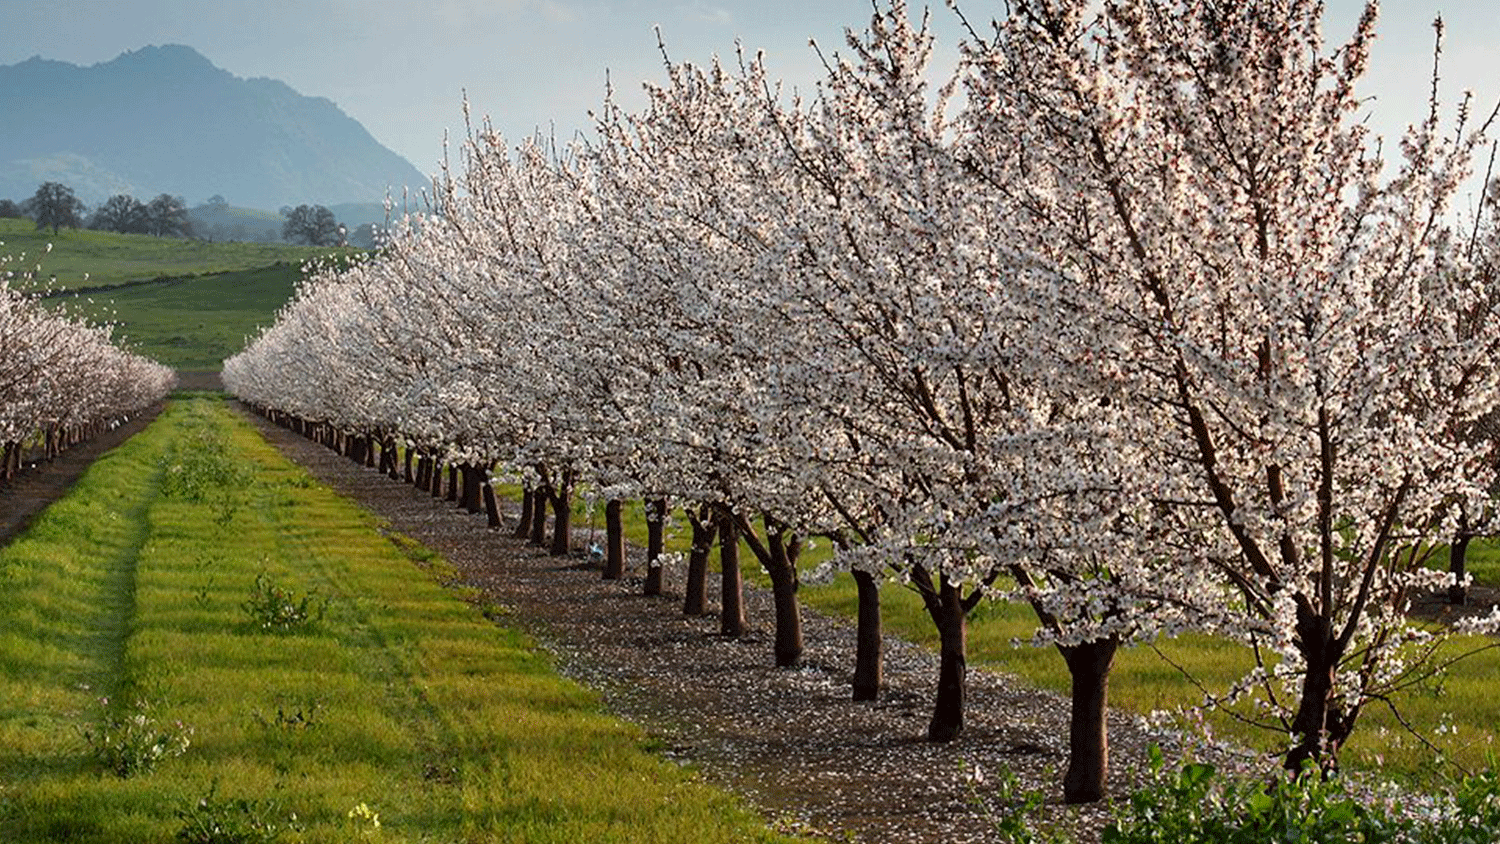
[1319,725]
[424,473]
[614,540]
[539,498]
[437,477]
[410,453]
[869,667]
[385,457]
[369,451]
[1458,553]
[732,583]
[656,523]
[491,506]
[695,595]
[523,525]
[778,556]
[1085,780]
[473,497]
[452,483]
[946,608]
[561,495]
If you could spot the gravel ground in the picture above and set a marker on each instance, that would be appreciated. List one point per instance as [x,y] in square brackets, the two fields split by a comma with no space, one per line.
[791,741]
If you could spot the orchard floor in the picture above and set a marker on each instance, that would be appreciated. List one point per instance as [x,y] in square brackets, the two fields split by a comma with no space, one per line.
[43,482]
[790,740]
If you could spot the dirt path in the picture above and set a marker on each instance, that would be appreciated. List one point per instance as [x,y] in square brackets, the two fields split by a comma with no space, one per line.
[790,740]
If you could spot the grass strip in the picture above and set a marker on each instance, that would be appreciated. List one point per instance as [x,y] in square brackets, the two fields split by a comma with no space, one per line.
[389,699]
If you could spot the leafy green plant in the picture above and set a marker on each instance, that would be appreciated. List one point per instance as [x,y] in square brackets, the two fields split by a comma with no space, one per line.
[273,607]
[216,820]
[1474,817]
[1015,820]
[134,741]
[1195,805]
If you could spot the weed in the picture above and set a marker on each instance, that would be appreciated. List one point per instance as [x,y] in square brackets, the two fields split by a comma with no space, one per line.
[1014,819]
[272,607]
[134,742]
[215,820]
[287,718]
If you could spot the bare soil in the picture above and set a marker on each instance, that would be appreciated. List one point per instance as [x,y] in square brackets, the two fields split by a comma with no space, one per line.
[790,740]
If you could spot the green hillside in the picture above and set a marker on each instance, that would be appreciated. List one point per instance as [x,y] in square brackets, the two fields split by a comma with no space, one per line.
[192,323]
[93,259]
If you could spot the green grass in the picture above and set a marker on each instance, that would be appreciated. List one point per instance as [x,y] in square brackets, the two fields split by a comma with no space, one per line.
[192,323]
[82,258]
[402,697]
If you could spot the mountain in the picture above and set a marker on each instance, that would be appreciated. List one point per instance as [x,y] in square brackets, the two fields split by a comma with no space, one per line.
[166,120]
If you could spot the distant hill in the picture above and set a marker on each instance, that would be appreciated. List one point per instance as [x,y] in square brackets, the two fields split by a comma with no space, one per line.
[166,120]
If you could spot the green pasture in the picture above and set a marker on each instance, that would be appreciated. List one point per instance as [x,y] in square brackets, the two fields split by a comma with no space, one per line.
[191,323]
[83,258]
[264,657]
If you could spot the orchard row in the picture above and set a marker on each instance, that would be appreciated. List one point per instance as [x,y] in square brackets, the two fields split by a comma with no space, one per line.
[1128,319]
[62,380]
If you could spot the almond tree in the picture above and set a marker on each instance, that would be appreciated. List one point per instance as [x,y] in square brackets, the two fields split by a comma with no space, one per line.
[1296,341]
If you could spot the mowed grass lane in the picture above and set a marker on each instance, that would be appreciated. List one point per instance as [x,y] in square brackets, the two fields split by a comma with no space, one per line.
[397,698]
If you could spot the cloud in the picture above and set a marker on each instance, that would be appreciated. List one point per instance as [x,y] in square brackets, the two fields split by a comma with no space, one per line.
[703,12]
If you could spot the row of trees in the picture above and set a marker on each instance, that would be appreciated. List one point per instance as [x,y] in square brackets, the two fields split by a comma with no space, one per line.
[62,380]
[164,216]
[1129,320]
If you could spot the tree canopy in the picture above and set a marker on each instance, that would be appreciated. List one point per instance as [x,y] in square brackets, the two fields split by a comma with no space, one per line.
[54,206]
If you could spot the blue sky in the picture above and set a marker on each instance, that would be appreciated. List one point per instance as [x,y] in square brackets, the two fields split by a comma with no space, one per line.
[401,68]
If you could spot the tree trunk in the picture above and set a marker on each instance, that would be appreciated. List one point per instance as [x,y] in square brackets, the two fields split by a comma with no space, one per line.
[539,498]
[868,659]
[562,516]
[1458,553]
[1086,780]
[948,614]
[614,540]
[523,526]
[656,524]
[1319,726]
[491,505]
[437,477]
[369,451]
[695,596]
[424,473]
[784,583]
[732,584]
[473,497]
[410,453]
[452,483]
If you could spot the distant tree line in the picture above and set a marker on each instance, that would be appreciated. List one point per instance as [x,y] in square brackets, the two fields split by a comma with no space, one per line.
[55,206]
[164,216]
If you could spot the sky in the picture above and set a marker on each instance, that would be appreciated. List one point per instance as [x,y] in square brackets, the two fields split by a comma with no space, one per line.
[402,67]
